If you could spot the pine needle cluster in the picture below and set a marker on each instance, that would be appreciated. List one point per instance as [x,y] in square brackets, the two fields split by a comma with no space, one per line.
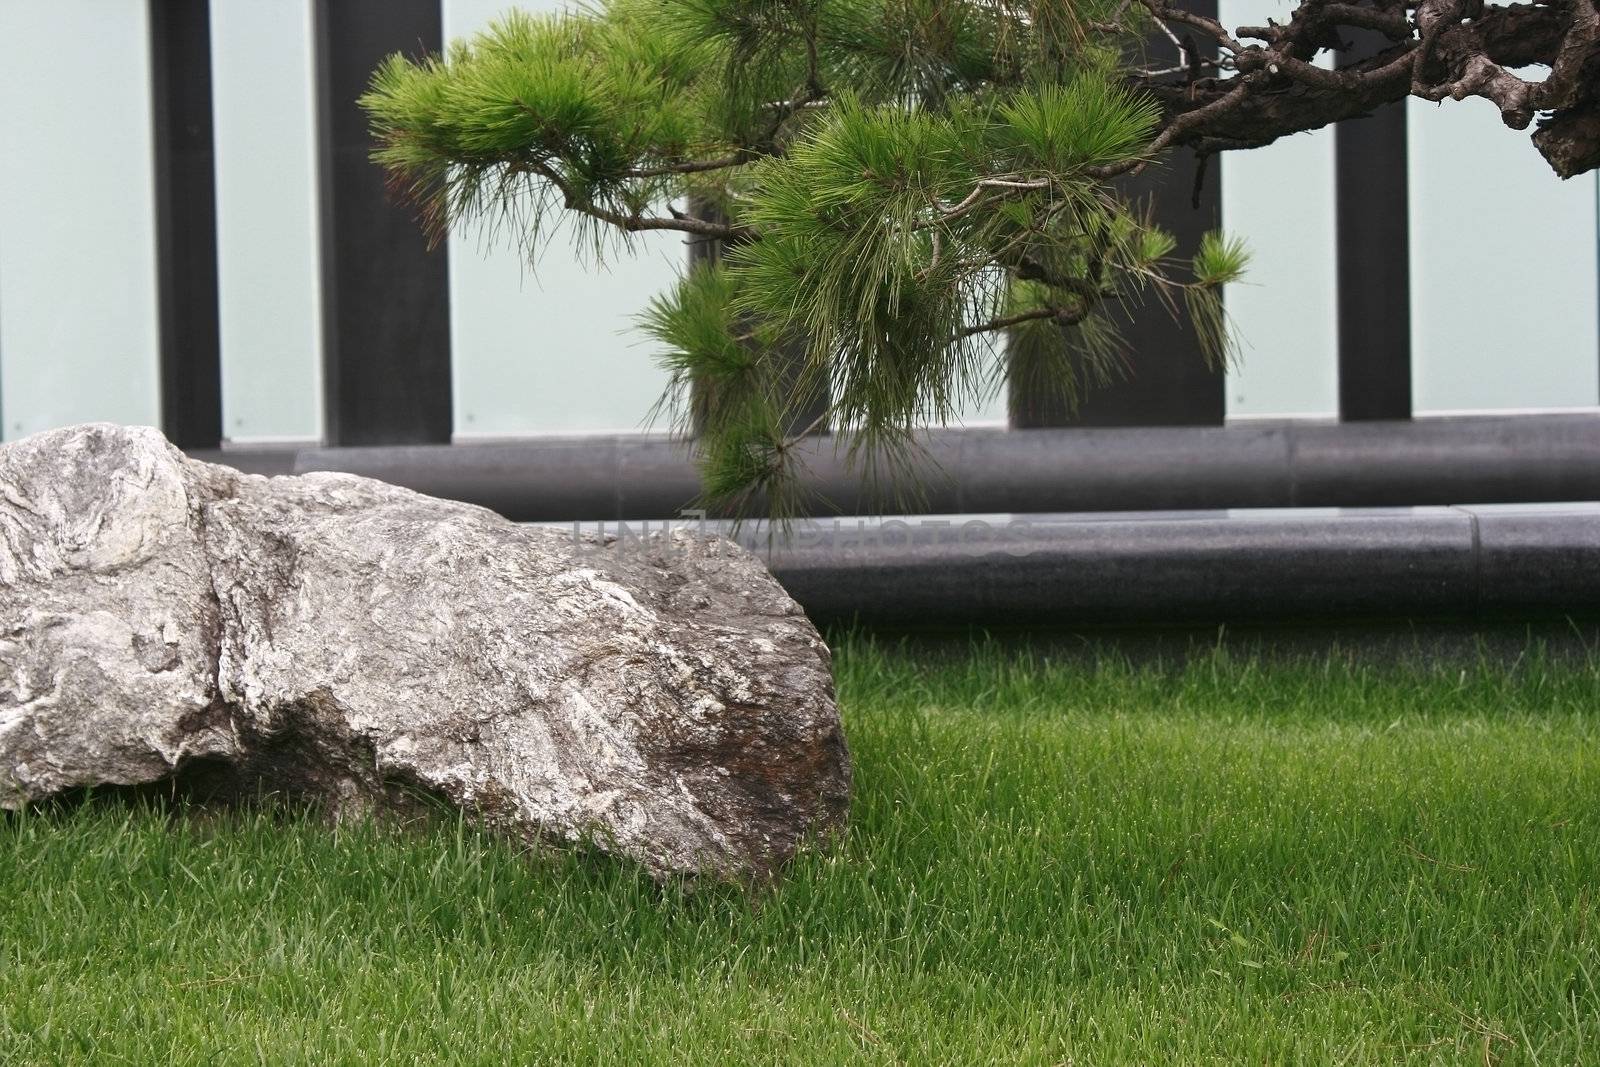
[893,187]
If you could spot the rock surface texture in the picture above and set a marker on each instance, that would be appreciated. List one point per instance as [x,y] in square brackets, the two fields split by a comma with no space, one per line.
[341,639]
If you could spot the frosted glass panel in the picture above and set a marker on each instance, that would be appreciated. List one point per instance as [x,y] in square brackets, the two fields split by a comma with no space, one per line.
[992,412]
[1280,199]
[550,350]
[1503,263]
[78,330]
[267,262]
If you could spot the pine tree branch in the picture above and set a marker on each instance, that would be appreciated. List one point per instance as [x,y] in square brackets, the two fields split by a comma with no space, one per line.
[974,199]
[691,166]
[1064,315]
[1442,49]
[680,222]
[1030,269]
[1208,26]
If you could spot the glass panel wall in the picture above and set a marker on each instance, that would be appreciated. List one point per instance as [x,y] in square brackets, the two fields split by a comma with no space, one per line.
[264,108]
[78,325]
[1503,262]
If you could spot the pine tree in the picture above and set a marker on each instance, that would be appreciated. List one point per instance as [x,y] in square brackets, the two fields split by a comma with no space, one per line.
[902,192]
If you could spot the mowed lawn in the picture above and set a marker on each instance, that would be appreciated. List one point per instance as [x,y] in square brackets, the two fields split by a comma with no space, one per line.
[1321,861]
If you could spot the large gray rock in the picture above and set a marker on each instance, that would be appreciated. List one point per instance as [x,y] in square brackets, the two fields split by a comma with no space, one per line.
[354,642]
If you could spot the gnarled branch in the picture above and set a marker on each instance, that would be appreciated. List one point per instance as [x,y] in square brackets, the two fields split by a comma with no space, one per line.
[1441,49]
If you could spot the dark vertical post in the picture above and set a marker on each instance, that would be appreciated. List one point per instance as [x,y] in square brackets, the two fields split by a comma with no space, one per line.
[1374,269]
[386,314]
[186,222]
[1168,380]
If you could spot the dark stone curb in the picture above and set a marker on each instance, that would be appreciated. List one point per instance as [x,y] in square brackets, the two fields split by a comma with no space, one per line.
[1480,562]
[1489,459]
[1183,568]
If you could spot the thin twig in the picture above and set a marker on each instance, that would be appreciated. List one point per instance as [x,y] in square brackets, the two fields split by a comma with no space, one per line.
[688,167]
[1065,316]
[629,223]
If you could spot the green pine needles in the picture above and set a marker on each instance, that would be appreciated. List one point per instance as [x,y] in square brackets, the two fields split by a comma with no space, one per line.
[885,190]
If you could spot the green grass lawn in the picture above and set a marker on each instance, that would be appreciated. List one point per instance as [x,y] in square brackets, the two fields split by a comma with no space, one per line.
[1048,862]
